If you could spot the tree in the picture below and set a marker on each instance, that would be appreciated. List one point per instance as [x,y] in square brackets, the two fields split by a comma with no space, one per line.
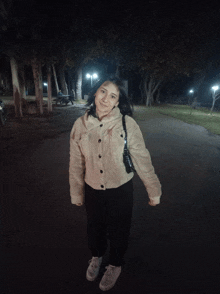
[215,97]
[49,89]
[166,48]
[22,81]
[79,84]
[151,85]
[55,78]
[37,73]
[16,87]
[62,79]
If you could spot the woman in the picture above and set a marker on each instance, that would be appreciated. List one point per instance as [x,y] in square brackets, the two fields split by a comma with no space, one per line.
[98,176]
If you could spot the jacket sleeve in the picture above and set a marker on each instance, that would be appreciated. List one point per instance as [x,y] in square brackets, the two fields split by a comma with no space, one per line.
[142,162]
[76,167]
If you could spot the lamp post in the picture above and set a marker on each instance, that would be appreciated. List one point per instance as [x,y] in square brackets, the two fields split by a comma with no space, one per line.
[95,76]
[214,88]
[191,92]
[45,84]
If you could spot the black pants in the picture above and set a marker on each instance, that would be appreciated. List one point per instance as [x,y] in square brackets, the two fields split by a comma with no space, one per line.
[109,211]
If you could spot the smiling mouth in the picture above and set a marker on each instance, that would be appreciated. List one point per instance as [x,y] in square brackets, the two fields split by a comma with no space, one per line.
[103,105]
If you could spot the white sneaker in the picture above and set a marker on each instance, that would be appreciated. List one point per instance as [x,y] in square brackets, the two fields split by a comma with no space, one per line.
[93,269]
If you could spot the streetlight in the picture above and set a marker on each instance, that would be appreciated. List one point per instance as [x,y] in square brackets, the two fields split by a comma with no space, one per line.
[190,96]
[95,76]
[215,88]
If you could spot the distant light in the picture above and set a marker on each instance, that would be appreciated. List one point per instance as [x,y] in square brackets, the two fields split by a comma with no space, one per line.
[95,75]
[88,76]
[45,84]
[215,88]
[191,91]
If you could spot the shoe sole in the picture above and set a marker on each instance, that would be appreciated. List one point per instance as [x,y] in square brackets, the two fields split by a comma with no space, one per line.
[89,278]
[92,279]
[107,288]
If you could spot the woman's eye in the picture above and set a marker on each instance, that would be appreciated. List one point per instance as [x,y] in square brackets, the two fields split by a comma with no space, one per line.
[103,91]
[113,96]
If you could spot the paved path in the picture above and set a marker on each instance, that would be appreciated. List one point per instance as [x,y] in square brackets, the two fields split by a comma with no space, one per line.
[174,247]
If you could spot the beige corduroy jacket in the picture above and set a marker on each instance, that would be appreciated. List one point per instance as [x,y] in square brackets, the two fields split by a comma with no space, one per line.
[96,155]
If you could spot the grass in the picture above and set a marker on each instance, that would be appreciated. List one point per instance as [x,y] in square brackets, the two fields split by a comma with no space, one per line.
[202,116]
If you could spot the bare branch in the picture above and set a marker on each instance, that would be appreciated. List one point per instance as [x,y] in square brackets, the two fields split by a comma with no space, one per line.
[156,87]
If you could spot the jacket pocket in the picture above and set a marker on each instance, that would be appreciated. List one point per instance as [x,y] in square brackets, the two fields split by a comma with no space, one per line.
[84,145]
[117,144]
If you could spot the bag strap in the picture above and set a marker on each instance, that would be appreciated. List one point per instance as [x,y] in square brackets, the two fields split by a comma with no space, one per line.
[125,139]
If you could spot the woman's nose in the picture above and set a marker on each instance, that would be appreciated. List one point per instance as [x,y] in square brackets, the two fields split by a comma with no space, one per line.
[105,97]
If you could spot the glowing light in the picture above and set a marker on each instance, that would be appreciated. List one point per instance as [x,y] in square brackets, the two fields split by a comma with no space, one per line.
[95,75]
[45,84]
[191,91]
[88,76]
[215,88]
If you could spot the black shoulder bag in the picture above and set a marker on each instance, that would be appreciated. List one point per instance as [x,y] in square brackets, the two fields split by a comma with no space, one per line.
[126,155]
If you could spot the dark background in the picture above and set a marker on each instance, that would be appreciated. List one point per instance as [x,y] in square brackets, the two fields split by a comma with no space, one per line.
[178,40]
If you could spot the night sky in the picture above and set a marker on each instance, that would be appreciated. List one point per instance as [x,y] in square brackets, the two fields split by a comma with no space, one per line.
[57,16]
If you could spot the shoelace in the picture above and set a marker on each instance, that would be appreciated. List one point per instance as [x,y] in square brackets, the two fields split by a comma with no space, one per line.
[109,270]
[96,265]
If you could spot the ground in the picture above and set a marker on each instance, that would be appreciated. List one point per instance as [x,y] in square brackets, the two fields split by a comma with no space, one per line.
[174,247]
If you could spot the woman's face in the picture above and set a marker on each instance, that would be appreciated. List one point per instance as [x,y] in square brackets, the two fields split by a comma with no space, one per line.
[106,98]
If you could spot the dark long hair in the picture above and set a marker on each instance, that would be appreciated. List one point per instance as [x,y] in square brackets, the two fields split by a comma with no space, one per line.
[125,104]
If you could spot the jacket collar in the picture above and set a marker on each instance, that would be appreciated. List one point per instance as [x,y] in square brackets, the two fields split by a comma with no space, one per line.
[92,122]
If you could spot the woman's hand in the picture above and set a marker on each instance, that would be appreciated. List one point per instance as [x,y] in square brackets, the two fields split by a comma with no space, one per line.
[153,203]
[79,204]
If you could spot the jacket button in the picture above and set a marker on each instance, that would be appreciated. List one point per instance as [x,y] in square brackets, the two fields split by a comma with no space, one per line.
[102,186]
[121,135]
[100,156]
[99,140]
[101,171]
[101,125]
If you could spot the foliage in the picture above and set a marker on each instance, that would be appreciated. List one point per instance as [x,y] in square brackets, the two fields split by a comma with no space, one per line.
[141,39]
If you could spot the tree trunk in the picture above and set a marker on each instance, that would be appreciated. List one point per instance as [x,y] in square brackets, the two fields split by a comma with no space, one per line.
[23,91]
[7,83]
[49,89]
[69,83]
[214,97]
[63,81]
[213,103]
[141,87]
[72,85]
[150,88]
[16,87]
[148,91]
[149,98]
[79,84]
[22,82]
[37,73]
[41,89]
[55,78]
[157,97]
